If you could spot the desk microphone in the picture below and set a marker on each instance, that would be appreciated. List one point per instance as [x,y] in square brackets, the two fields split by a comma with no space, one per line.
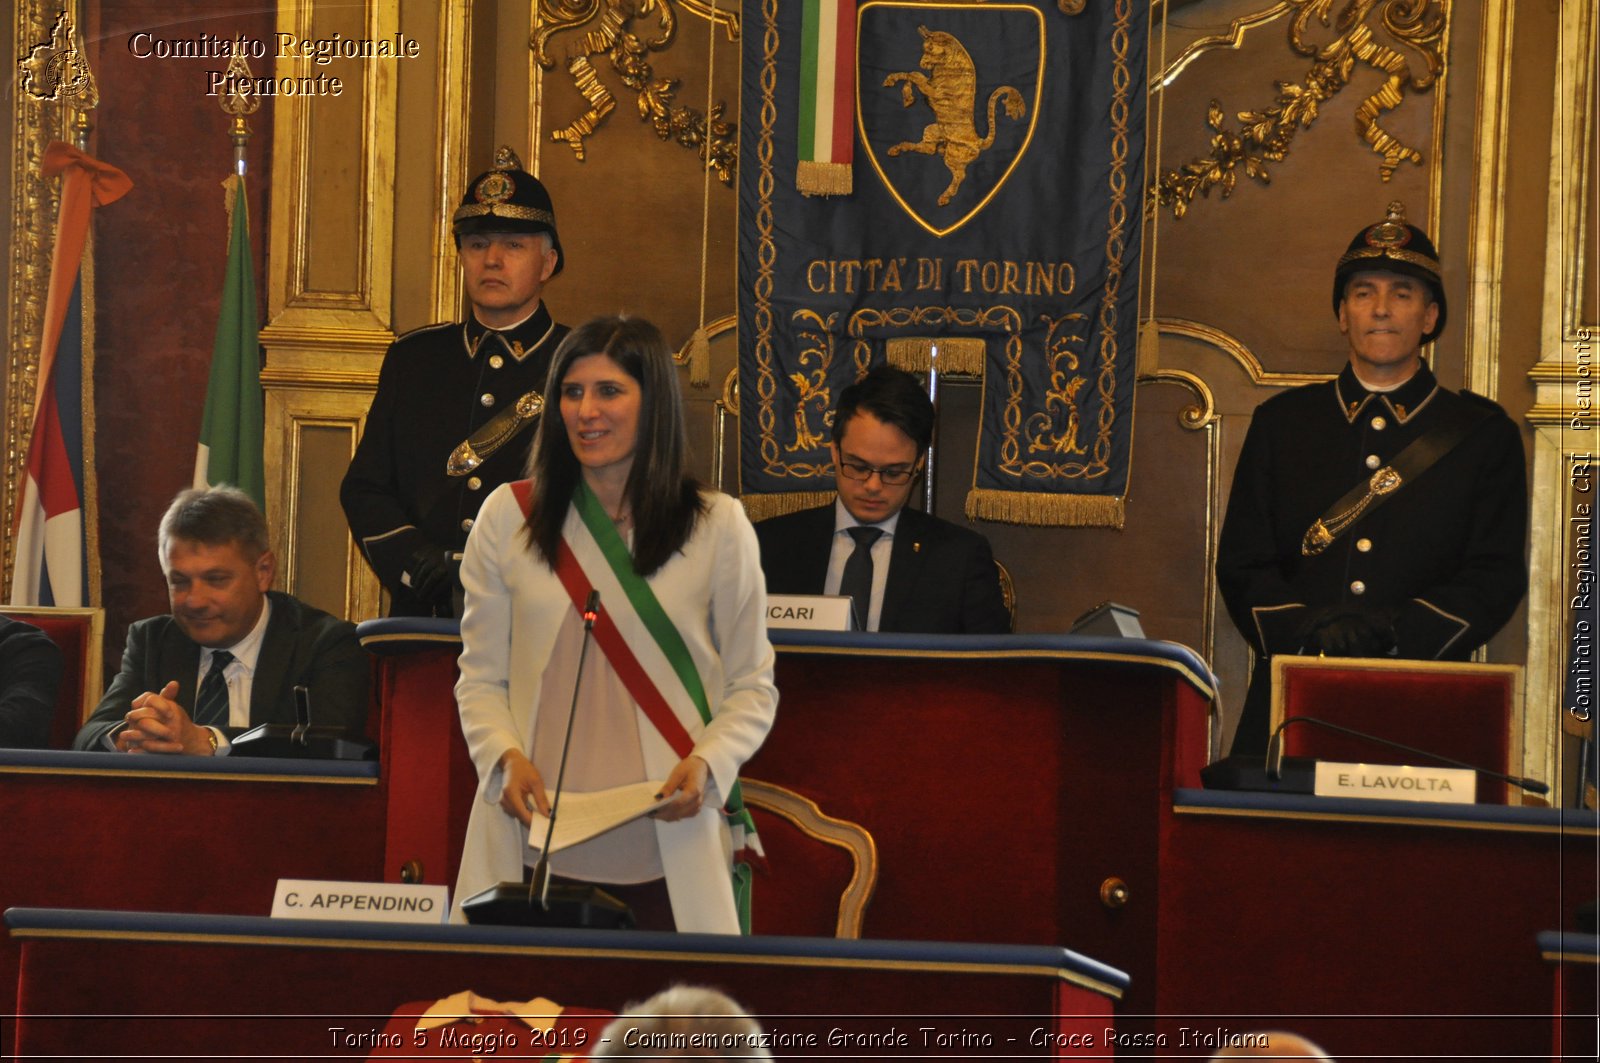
[1274,762]
[540,902]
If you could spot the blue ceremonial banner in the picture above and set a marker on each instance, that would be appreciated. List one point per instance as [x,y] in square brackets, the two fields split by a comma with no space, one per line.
[991,227]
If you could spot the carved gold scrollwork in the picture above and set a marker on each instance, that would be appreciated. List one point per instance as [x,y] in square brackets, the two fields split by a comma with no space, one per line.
[710,136]
[1196,415]
[1047,434]
[816,355]
[1264,136]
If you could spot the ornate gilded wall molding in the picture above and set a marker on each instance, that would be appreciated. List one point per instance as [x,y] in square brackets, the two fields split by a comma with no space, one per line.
[612,35]
[1419,27]
[330,285]
[1566,438]
[1201,416]
[1230,40]
[359,297]
[1486,224]
[453,120]
[33,124]
[1212,336]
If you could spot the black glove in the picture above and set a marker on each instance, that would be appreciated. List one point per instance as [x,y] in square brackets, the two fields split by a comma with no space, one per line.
[431,575]
[1349,631]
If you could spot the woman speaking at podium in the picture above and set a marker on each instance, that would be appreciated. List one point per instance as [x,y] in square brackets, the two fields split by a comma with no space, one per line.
[678,684]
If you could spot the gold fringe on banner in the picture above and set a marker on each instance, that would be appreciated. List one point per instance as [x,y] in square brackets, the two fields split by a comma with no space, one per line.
[957,354]
[823,178]
[778,504]
[1045,510]
[230,191]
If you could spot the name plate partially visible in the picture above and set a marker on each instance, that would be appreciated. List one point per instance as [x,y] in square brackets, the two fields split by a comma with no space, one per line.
[1394,782]
[809,612]
[360,902]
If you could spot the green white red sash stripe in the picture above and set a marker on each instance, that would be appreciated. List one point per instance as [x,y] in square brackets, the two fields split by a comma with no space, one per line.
[827,98]
[636,678]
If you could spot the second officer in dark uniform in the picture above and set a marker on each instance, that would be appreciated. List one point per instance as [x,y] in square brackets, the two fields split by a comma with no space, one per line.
[455,401]
[1378,514]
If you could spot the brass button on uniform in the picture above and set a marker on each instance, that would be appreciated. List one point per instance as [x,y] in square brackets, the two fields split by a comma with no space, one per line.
[495,361]
[466,525]
[1373,461]
[486,399]
[1364,545]
[1358,587]
[1379,424]
[475,484]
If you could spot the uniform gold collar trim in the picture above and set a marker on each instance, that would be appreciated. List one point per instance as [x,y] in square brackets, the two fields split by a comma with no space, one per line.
[1403,403]
[511,341]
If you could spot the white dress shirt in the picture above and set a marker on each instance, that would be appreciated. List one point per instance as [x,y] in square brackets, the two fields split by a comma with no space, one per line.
[240,674]
[844,545]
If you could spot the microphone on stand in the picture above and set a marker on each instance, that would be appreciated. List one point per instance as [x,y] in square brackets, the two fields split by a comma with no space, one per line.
[540,902]
[1274,761]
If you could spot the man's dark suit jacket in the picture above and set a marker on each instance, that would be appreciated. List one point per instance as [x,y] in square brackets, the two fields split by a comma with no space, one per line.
[30,677]
[942,577]
[301,646]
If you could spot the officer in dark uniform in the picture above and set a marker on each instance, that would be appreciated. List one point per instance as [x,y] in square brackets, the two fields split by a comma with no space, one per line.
[455,402]
[1378,514]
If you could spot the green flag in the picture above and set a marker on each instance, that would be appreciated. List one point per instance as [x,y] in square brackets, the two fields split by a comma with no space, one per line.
[231,431]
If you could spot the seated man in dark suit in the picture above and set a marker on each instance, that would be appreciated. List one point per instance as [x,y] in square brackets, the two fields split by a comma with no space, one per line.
[231,652]
[30,676]
[906,570]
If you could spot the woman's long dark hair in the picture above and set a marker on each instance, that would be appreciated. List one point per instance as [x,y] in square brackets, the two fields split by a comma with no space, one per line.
[662,496]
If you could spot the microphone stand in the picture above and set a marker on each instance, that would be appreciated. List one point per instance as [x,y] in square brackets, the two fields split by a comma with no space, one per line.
[540,903]
[540,881]
[1274,763]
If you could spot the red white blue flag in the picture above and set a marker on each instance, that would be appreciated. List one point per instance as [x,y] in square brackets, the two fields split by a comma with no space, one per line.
[53,524]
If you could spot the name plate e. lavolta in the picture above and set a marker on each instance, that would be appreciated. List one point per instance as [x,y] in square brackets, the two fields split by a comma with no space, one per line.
[360,902]
[1394,782]
[809,612]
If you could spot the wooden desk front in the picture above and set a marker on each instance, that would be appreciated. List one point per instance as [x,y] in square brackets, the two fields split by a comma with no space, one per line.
[176,834]
[1380,928]
[206,986]
[1013,785]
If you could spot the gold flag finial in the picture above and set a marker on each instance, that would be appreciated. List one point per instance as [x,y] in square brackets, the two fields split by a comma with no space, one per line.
[239,103]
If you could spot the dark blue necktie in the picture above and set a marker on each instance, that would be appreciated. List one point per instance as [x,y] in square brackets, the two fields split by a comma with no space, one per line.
[857,578]
[211,704]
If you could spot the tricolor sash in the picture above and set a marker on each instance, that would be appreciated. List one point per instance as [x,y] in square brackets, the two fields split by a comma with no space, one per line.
[641,686]
[826,108]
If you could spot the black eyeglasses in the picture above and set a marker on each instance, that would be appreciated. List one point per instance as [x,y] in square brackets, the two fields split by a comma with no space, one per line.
[891,475]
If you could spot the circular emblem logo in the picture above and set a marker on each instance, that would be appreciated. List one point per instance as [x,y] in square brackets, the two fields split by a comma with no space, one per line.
[1388,234]
[494,188]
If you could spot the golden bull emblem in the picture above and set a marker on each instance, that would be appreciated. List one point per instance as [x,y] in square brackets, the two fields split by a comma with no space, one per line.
[950,87]
[983,96]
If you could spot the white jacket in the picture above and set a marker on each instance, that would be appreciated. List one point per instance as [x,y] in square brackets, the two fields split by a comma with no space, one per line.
[714,593]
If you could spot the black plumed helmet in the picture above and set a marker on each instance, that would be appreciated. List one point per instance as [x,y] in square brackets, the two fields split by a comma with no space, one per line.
[507,199]
[1395,246]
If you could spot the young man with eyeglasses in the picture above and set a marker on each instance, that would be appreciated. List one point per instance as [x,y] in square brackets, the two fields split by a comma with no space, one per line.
[907,571]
